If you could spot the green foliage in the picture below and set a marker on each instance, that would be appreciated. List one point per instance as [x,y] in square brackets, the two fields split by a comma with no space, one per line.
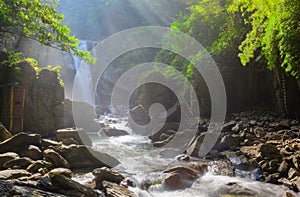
[260,29]
[275,32]
[10,71]
[39,21]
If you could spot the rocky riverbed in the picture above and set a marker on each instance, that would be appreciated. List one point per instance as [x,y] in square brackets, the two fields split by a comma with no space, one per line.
[253,148]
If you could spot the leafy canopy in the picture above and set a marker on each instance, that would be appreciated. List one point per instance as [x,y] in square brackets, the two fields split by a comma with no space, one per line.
[38,21]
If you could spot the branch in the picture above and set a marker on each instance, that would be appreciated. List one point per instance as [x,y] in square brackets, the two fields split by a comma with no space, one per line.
[32,38]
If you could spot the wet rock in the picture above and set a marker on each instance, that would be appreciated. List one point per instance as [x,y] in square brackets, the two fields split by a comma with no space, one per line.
[115,190]
[168,126]
[234,189]
[106,174]
[77,134]
[5,157]
[55,158]
[4,133]
[139,115]
[185,172]
[19,141]
[85,158]
[40,164]
[13,174]
[173,181]
[60,171]
[85,119]
[194,148]
[113,132]
[70,187]
[32,152]
[18,163]
[272,178]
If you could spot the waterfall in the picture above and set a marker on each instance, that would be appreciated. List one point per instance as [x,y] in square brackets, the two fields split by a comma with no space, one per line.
[83,88]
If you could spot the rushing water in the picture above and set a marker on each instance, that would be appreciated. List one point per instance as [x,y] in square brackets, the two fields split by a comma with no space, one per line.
[141,162]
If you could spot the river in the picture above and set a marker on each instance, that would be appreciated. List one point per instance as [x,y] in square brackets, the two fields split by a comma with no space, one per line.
[141,162]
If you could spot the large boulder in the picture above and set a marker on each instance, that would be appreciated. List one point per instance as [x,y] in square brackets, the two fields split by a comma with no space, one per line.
[113,132]
[4,133]
[13,174]
[10,188]
[106,174]
[84,119]
[18,163]
[78,134]
[67,186]
[32,152]
[19,142]
[85,158]
[55,158]
[5,157]
[171,126]
[43,101]
[115,190]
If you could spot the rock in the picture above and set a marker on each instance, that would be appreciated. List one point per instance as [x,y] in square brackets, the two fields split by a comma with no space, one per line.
[46,94]
[139,115]
[55,158]
[183,157]
[173,181]
[283,168]
[13,174]
[60,171]
[259,132]
[32,152]
[106,174]
[46,143]
[18,163]
[4,133]
[69,141]
[7,157]
[112,132]
[268,150]
[185,172]
[8,189]
[85,158]
[40,164]
[194,148]
[115,190]
[272,178]
[167,126]
[231,141]
[227,127]
[296,161]
[76,133]
[70,187]
[19,141]
[234,189]
[293,173]
[85,119]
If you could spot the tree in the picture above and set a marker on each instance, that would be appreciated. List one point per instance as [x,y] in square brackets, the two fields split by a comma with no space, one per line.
[38,21]
[274,33]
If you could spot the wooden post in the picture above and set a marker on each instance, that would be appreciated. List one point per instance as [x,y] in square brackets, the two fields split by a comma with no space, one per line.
[12,111]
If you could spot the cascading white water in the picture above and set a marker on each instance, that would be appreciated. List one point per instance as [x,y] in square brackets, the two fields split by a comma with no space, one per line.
[83,79]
